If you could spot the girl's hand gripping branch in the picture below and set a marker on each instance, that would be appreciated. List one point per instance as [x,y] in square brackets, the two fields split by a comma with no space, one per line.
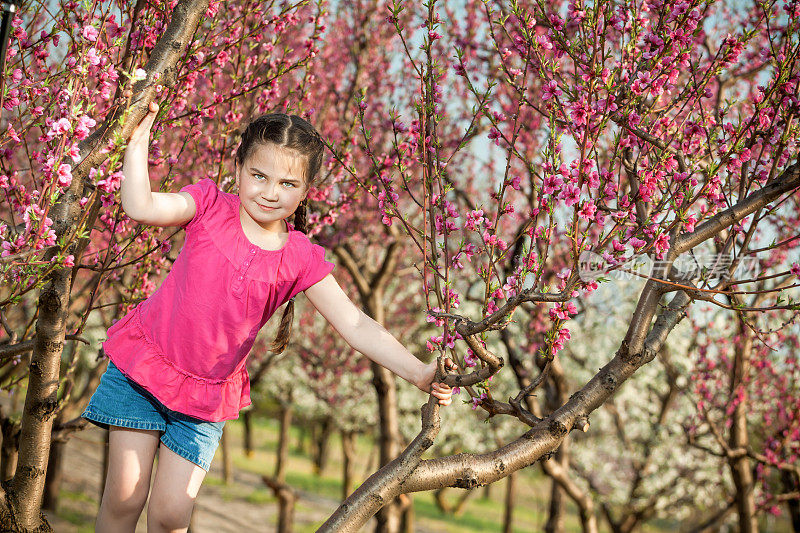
[438,389]
[141,135]
[138,200]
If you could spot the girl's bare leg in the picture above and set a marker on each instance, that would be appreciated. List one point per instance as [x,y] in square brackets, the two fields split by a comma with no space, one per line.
[130,463]
[174,491]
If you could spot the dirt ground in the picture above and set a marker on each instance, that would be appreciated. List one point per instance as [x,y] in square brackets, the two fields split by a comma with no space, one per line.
[217,510]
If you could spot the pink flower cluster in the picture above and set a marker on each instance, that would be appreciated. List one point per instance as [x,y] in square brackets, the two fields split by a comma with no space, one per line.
[563,311]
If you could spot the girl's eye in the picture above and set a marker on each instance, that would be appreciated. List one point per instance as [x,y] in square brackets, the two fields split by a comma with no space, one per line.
[258,176]
[289,183]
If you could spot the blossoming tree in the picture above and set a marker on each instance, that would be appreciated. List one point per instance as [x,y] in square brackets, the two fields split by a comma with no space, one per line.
[521,150]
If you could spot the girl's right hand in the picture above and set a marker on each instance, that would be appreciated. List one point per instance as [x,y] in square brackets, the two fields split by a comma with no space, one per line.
[142,132]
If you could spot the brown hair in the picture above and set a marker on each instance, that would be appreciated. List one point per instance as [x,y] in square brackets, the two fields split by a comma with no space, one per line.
[293,133]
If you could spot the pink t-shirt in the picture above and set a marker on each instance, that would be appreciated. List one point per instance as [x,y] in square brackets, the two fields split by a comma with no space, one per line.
[188,342]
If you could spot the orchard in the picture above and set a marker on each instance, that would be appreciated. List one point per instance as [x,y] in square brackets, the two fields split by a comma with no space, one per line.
[592,208]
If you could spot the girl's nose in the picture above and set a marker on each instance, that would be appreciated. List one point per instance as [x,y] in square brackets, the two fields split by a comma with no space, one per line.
[270,191]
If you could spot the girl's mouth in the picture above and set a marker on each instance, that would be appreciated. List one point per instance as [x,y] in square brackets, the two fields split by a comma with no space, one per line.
[266,207]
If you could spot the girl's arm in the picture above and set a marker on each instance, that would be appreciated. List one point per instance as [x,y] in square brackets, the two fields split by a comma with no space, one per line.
[370,338]
[138,201]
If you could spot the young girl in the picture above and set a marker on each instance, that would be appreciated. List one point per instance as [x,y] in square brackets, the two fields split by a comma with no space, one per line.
[177,361]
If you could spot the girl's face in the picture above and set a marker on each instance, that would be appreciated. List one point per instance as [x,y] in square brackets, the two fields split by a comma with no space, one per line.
[271,185]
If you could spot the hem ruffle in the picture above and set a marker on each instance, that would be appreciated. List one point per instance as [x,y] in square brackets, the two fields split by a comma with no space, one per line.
[213,400]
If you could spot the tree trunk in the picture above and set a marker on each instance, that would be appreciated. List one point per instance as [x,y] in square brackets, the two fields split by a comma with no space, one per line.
[283,443]
[388,518]
[791,483]
[349,453]
[407,518]
[302,435]
[26,488]
[55,474]
[508,517]
[227,459]
[286,498]
[323,436]
[10,449]
[454,509]
[372,459]
[248,432]
[555,519]
[740,466]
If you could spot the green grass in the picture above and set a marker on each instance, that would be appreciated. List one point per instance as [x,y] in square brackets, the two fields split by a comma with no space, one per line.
[84,521]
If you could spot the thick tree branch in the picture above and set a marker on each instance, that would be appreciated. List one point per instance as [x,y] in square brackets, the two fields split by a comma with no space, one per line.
[469,470]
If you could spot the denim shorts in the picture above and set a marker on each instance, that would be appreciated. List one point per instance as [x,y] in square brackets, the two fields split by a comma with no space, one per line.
[120,401]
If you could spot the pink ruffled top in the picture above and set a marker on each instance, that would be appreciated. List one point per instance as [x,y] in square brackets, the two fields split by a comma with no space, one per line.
[188,342]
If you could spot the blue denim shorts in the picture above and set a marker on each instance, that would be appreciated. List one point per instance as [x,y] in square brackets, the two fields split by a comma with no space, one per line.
[120,401]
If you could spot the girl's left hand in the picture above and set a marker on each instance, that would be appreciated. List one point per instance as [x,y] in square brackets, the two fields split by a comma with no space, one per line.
[440,390]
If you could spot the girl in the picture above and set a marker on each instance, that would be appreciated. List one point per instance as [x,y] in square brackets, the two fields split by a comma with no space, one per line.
[177,360]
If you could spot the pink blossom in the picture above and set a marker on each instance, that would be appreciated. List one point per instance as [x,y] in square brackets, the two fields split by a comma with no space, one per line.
[13,99]
[59,127]
[456,261]
[111,183]
[570,194]
[494,240]
[474,219]
[90,33]
[796,269]
[637,243]
[551,183]
[438,320]
[470,359]
[13,133]
[550,90]
[579,113]
[588,210]
[477,401]
[92,57]
[690,223]
[82,129]
[74,152]
[510,285]
[64,175]
[469,251]
[563,311]
[661,245]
